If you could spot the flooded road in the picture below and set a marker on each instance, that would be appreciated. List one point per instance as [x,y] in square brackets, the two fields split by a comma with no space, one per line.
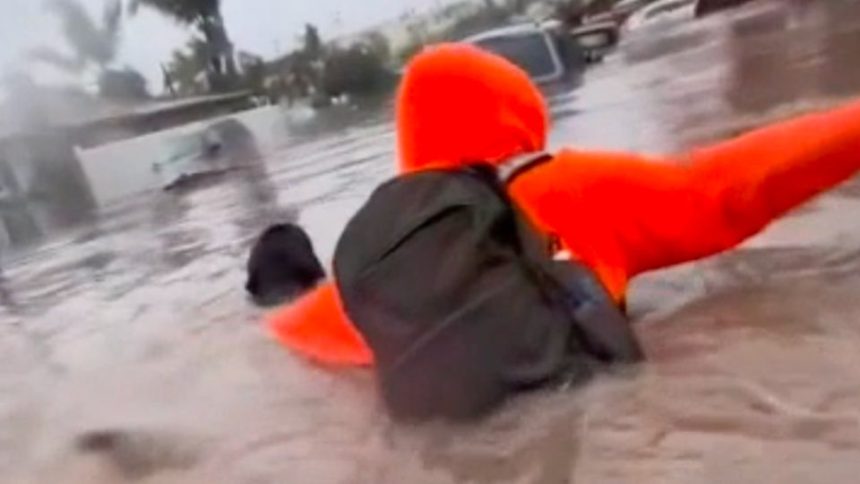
[128,352]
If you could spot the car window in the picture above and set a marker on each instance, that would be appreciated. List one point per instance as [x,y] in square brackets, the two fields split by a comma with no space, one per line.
[665,8]
[594,40]
[531,52]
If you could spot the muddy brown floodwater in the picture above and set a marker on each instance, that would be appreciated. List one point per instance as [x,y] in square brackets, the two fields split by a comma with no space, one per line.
[128,352]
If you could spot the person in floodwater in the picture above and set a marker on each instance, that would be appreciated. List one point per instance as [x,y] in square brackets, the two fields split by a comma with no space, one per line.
[618,214]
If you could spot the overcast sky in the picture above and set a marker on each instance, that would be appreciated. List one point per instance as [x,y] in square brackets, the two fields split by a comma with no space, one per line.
[266,27]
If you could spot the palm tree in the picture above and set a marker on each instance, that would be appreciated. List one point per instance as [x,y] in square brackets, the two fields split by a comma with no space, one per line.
[91,44]
[187,64]
[93,48]
[205,15]
[313,43]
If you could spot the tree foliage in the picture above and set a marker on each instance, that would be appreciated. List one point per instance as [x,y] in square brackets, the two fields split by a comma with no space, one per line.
[322,71]
[313,46]
[189,12]
[357,70]
[90,43]
[379,46]
[255,77]
[205,15]
[187,64]
[93,45]
[124,85]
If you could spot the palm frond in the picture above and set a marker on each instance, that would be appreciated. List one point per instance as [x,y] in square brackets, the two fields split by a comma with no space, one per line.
[88,40]
[183,11]
[112,18]
[56,59]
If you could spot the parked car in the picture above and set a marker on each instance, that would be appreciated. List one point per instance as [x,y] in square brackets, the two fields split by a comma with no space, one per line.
[549,51]
[661,11]
[596,39]
[545,51]
[618,13]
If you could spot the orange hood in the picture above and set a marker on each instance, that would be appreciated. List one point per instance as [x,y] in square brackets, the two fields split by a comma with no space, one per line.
[459,104]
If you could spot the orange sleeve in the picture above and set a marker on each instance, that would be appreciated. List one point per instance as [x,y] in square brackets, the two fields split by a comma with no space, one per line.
[316,327]
[627,214]
[663,212]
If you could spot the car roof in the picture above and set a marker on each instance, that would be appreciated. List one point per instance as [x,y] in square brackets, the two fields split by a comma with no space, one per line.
[603,25]
[509,31]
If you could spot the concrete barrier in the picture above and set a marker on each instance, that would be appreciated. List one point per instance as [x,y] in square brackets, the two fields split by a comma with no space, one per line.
[123,169]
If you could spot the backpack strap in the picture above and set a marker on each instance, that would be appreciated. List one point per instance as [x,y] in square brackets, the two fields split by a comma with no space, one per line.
[603,324]
[517,165]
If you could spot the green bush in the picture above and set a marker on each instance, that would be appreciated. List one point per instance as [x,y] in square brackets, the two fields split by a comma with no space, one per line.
[125,85]
[357,70]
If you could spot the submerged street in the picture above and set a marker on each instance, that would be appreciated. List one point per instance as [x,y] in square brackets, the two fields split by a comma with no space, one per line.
[129,353]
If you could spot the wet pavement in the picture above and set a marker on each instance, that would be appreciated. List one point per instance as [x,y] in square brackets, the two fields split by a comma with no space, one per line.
[128,352]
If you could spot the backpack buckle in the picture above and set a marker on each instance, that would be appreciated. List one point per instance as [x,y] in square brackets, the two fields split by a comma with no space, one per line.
[513,167]
[556,249]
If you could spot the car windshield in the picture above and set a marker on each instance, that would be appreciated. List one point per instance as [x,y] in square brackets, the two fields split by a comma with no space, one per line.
[530,51]
[594,40]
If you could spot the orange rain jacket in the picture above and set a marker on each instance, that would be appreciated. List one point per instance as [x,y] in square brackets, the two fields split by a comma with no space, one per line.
[620,214]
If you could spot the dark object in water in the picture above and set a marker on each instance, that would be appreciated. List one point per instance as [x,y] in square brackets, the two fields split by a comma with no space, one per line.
[282,265]
[137,454]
